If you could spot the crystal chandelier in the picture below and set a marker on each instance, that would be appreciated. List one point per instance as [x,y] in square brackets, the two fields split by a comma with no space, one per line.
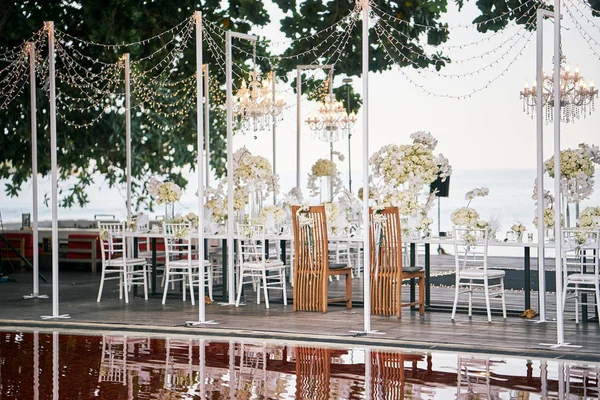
[332,121]
[253,105]
[576,98]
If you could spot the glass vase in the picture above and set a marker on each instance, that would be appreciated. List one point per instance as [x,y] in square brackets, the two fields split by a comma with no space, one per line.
[169,211]
[255,203]
[519,236]
[324,189]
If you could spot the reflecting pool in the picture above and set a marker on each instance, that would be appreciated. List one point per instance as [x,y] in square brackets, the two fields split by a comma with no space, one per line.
[36,365]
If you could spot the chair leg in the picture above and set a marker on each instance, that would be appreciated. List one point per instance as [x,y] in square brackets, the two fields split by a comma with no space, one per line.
[145,269]
[597,286]
[126,284]
[503,300]
[239,291]
[456,288]
[283,285]
[487,299]
[101,285]
[564,297]
[348,292]
[470,297]
[577,304]
[167,277]
[191,282]
[264,280]
[422,295]
[210,282]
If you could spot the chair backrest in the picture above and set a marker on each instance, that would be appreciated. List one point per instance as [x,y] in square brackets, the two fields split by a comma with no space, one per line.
[386,240]
[580,249]
[310,239]
[178,241]
[470,248]
[111,239]
[251,247]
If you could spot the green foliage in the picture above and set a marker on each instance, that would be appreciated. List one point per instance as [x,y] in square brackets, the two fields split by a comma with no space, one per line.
[101,147]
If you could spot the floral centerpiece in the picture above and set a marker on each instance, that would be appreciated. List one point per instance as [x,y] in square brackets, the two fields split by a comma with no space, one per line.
[424,226]
[464,216]
[518,228]
[253,179]
[589,218]
[324,169]
[168,193]
[270,217]
[577,168]
[402,172]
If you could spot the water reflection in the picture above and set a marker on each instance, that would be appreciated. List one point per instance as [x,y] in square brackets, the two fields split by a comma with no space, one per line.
[52,366]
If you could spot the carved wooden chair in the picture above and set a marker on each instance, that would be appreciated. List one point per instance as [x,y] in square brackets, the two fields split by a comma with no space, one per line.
[387,270]
[311,264]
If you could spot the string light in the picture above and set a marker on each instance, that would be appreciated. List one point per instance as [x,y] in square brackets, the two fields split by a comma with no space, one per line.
[497,18]
[463,96]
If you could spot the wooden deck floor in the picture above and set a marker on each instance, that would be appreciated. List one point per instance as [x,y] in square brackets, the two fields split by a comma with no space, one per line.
[434,330]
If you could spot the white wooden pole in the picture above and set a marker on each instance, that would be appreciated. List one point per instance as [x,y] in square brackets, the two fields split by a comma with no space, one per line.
[331,141]
[128,131]
[560,337]
[202,371]
[55,366]
[36,365]
[207,123]
[274,137]
[230,211]
[200,173]
[200,163]
[540,163]
[54,168]
[298,123]
[365,169]
[34,176]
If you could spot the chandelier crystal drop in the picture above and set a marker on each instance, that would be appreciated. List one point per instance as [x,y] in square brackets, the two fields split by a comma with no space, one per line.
[332,121]
[576,97]
[254,106]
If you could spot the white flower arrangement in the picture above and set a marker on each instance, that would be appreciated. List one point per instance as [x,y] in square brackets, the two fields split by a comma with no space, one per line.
[404,170]
[477,192]
[464,216]
[589,217]
[152,186]
[323,168]
[255,171]
[274,213]
[293,197]
[168,193]
[518,228]
[192,218]
[577,168]
[548,218]
[424,224]
[424,138]
[444,167]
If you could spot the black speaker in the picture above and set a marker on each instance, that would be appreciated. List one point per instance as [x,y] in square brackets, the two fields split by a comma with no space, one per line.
[443,188]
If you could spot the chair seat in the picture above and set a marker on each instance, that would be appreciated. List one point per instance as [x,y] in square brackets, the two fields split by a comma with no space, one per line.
[185,263]
[412,269]
[115,262]
[481,274]
[268,264]
[337,265]
[582,278]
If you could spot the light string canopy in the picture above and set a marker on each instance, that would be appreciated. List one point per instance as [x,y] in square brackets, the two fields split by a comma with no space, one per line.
[254,107]
[332,121]
[576,97]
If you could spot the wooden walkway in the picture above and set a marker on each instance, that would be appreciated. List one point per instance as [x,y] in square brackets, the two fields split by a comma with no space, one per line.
[434,330]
